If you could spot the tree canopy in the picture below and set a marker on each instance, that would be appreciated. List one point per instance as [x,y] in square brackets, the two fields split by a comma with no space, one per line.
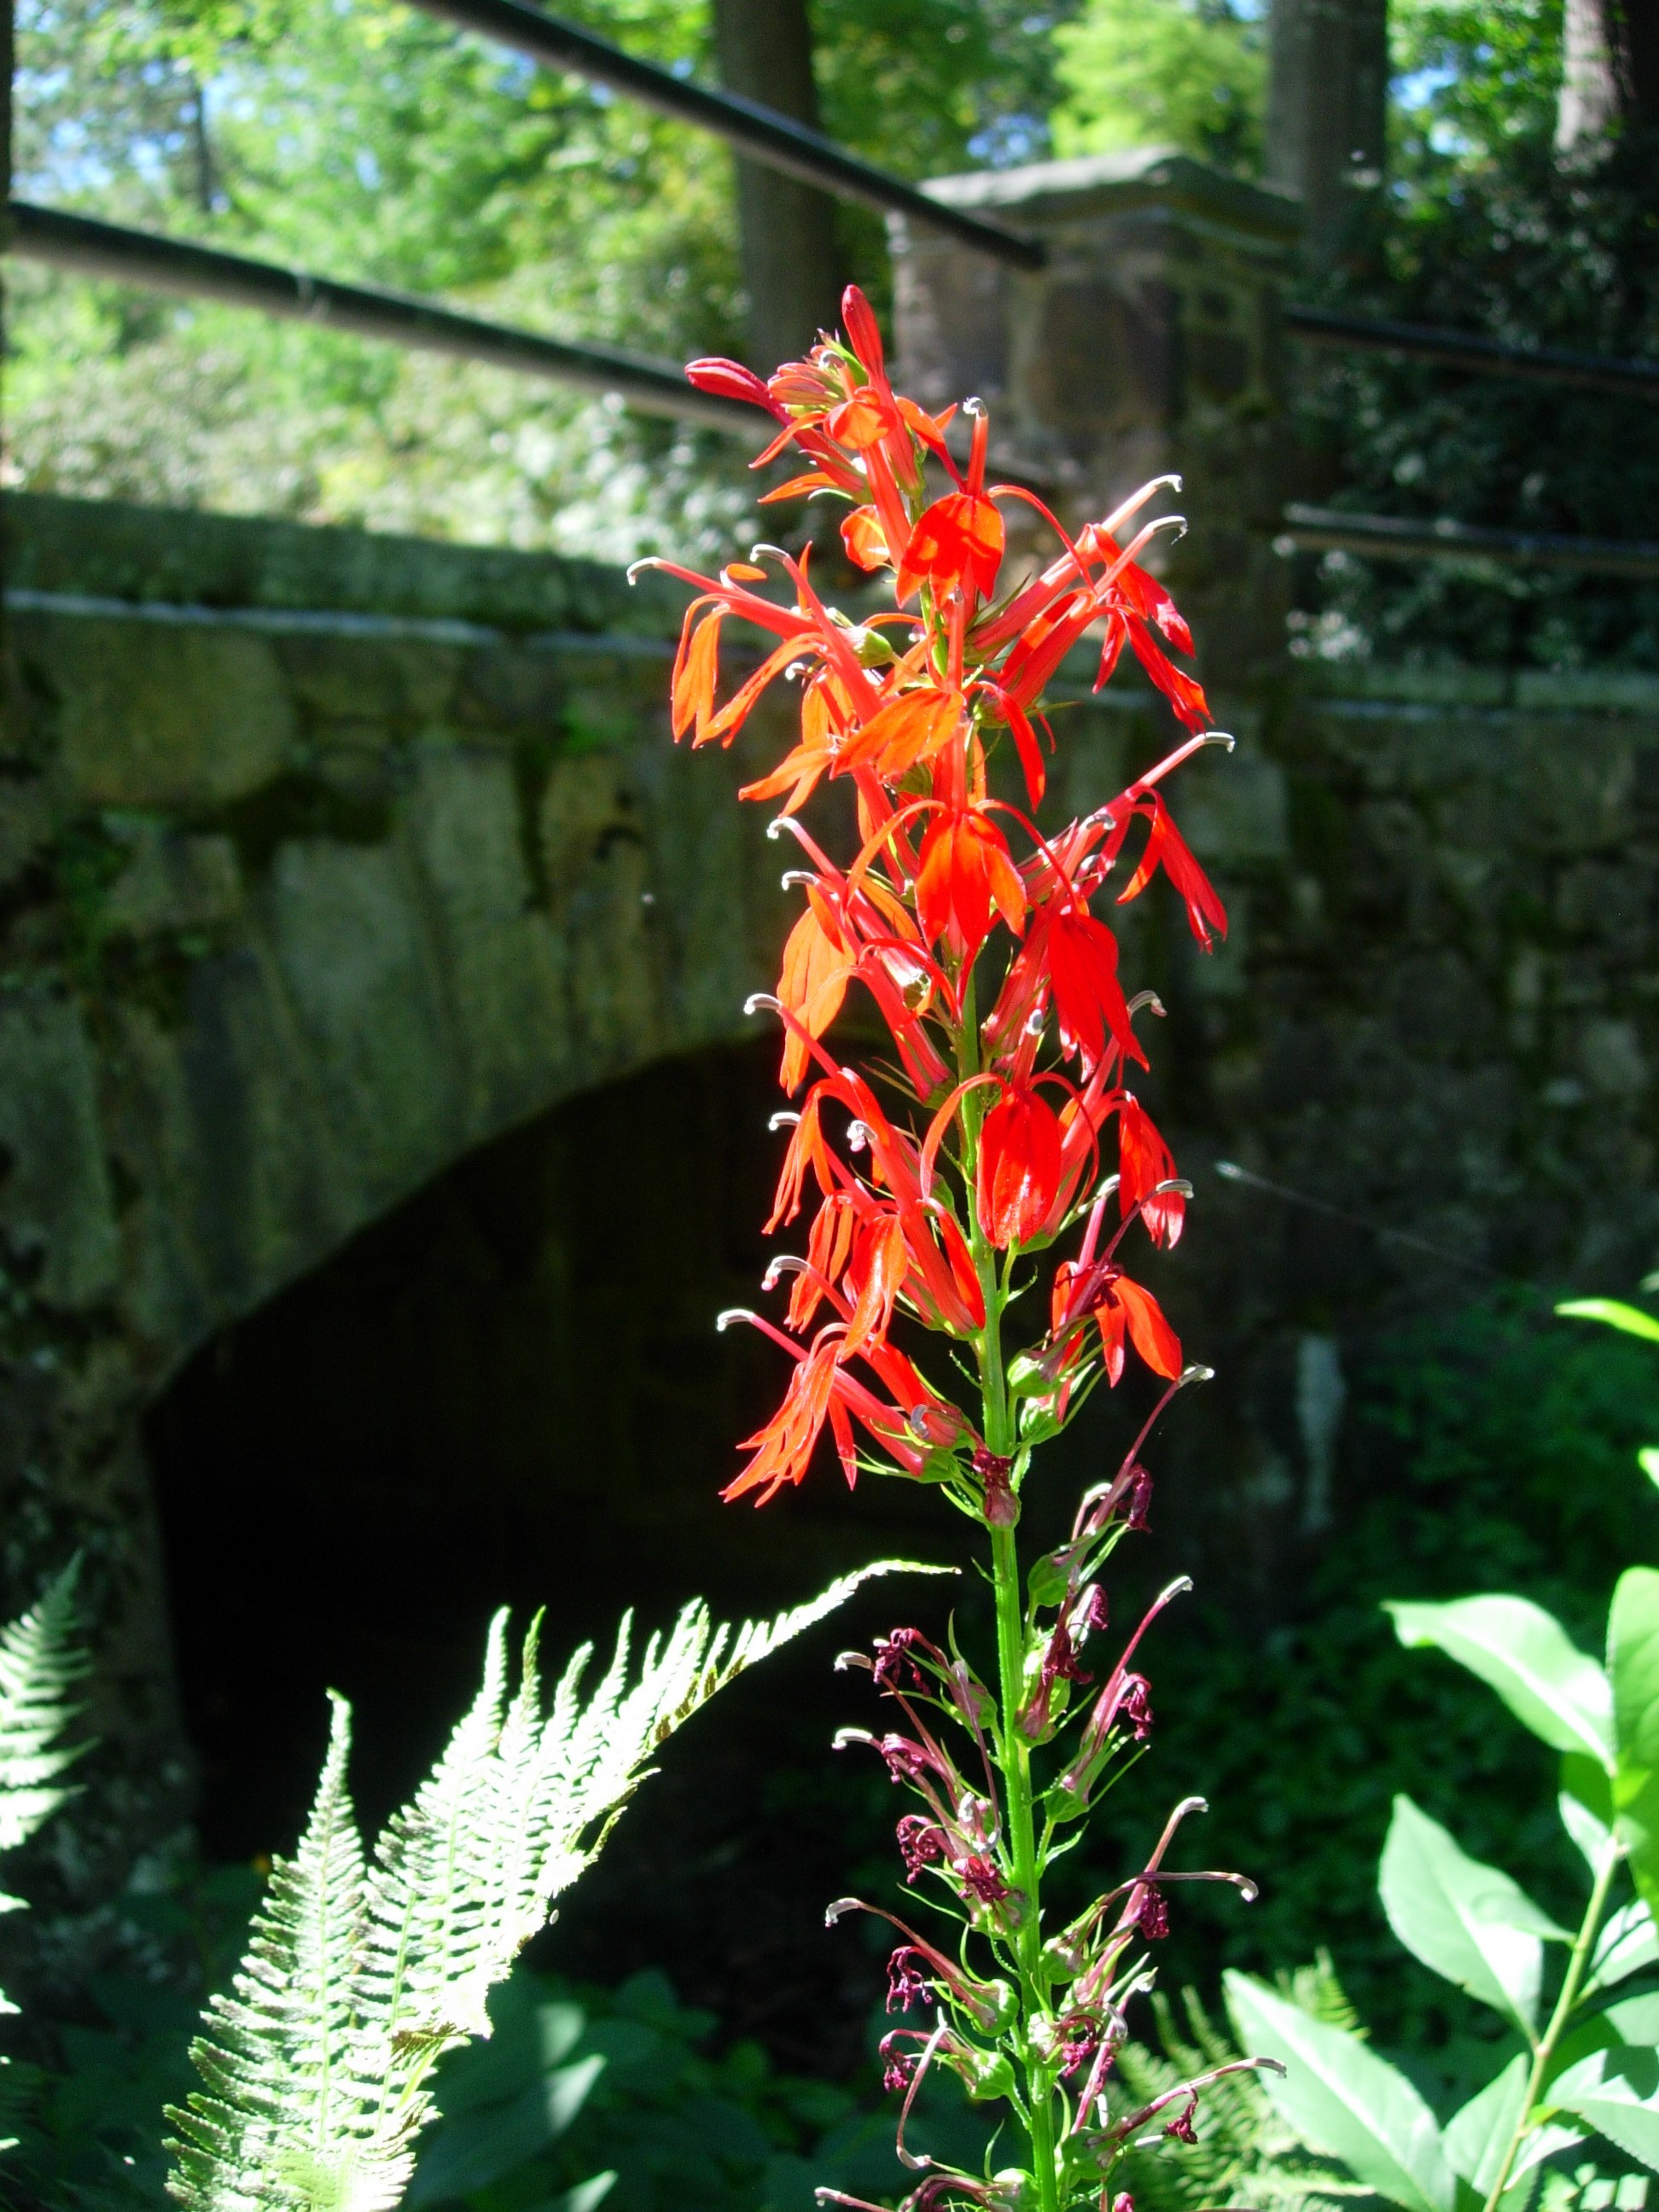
[368,140]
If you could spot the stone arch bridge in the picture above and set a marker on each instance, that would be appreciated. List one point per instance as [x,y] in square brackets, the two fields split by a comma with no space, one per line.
[326,858]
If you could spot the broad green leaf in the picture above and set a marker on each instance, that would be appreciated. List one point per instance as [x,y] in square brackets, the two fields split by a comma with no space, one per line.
[1632,2020]
[1586,1804]
[1617,2092]
[1627,1944]
[1476,2137]
[481,2145]
[1343,2100]
[1524,1653]
[1634,1665]
[1630,1321]
[1543,2142]
[1467,1921]
[1648,1460]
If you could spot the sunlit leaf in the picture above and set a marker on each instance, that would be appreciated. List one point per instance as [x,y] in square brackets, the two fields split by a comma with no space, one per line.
[1343,2100]
[1465,1921]
[1526,1655]
[1634,1665]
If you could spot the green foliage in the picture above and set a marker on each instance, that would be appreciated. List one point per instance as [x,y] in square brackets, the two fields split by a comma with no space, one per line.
[1490,1448]
[579,2087]
[1483,229]
[369,141]
[41,1662]
[1185,73]
[1587,2068]
[361,1974]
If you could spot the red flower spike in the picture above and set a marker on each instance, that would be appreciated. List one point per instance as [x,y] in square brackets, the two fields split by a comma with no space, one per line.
[1019,1167]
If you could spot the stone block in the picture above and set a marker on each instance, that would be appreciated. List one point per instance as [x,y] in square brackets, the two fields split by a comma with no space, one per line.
[153,714]
[348,937]
[57,1206]
[171,884]
[500,967]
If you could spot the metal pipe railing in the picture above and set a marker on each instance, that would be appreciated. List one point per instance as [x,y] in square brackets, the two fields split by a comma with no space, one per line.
[175,265]
[760,133]
[1388,537]
[1478,357]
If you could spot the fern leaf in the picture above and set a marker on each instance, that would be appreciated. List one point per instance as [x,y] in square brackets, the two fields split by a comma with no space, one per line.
[282,2123]
[359,1977]
[39,1663]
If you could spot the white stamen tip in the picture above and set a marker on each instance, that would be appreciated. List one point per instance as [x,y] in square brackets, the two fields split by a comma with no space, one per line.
[636,568]
[724,1320]
[783,1121]
[774,828]
[1176,1182]
[1196,1374]
[761,1002]
[1218,737]
[791,877]
[972,406]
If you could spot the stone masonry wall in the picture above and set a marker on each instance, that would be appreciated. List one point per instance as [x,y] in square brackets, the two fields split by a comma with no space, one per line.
[325,858]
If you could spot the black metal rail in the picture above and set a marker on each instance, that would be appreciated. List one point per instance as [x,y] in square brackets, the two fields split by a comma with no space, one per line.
[759,132]
[1478,357]
[1386,538]
[175,264]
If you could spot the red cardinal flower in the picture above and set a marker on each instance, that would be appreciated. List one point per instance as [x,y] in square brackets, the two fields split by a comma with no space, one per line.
[1019,1166]
[1145,1161]
[965,875]
[959,535]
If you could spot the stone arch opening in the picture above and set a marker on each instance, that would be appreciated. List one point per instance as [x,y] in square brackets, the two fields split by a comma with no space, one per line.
[509,1391]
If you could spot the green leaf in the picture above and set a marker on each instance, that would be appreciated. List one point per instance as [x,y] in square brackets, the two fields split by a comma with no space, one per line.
[1617,2091]
[1524,1653]
[1634,1665]
[473,2151]
[1467,1921]
[1343,2100]
[1627,1944]
[1586,1805]
[1476,2137]
[1630,1321]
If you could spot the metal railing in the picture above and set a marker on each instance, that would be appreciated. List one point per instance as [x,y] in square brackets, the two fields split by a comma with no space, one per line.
[175,265]
[1476,355]
[759,133]
[762,133]
[1389,537]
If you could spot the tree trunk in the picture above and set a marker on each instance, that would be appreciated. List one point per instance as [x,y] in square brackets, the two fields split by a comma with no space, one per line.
[791,263]
[1327,97]
[1609,76]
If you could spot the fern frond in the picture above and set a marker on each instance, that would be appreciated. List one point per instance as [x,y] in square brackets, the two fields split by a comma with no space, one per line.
[359,1977]
[40,1664]
[285,2120]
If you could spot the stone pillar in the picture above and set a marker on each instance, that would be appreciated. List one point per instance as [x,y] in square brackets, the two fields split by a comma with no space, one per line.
[1150,343]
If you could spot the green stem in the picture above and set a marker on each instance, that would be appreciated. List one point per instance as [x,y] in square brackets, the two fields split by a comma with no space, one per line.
[1014,1759]
[1565,2003]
